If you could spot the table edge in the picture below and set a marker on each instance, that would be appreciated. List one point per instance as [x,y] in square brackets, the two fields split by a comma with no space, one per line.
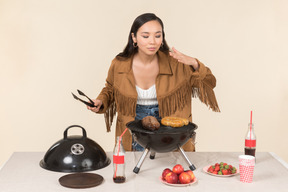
[284,163]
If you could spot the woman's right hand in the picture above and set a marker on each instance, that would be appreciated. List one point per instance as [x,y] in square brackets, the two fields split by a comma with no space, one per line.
[97,103]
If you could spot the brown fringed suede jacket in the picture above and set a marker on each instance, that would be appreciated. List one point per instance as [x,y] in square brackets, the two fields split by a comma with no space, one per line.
[176,84]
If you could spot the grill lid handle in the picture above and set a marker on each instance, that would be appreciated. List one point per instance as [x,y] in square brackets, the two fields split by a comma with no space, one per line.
[83,131]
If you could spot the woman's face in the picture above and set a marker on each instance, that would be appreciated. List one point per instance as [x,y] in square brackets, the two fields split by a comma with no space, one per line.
[148,38]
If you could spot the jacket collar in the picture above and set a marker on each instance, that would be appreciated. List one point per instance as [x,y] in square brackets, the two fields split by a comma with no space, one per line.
[163,60]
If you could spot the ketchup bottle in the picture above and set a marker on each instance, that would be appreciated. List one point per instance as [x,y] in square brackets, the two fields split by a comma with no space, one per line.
[250,141]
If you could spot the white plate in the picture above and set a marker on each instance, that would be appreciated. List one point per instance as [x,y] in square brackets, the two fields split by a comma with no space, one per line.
[205,169]
[179,185]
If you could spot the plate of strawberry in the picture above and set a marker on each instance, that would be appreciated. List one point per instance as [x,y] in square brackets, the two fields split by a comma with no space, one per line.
[221,170]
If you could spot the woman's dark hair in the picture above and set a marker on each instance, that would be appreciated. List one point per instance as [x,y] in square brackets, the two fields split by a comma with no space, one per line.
[129,50]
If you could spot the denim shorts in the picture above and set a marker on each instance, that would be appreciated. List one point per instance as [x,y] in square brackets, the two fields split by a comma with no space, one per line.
[141,112]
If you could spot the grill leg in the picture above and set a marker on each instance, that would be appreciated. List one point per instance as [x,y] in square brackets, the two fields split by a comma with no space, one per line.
[140,162]
[152,155]
[191,166]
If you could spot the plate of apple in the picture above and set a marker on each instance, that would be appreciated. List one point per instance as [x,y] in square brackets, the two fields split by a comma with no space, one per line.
[177,176]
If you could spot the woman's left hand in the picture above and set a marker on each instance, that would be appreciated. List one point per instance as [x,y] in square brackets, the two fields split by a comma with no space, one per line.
[187,60]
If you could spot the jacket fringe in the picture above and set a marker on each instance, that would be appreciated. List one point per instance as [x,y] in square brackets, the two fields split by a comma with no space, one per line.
[168,105]
[176,100]
[109,116]
[124,103]
[206,95]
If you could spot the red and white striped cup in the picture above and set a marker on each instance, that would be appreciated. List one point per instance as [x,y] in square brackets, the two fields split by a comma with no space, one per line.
[246,168]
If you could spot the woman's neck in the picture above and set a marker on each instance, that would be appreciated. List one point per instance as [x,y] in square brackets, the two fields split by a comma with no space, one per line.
[145,59]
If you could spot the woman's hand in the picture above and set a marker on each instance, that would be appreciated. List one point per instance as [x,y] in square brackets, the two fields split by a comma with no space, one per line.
[187,60]
[97,103]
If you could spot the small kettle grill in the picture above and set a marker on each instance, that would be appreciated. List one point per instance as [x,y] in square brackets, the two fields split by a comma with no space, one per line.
[165,139]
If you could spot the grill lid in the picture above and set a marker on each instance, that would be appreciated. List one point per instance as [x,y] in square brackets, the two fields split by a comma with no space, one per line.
[75,154]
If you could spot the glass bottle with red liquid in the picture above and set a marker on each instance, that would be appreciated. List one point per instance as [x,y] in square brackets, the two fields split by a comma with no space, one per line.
[119,162]
[250,139]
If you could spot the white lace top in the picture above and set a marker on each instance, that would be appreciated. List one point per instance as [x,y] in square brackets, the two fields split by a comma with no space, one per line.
[147,96]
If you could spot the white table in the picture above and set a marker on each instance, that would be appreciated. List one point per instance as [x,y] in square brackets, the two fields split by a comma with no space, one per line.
[22,173]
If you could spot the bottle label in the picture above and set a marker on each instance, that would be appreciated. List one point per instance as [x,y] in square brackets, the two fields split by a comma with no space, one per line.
[250,143]
[118,159]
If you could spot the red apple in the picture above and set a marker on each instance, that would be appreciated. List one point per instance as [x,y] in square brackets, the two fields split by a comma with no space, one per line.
[178,169]
[191,174]
[184,178]
[165,172]
[171,178]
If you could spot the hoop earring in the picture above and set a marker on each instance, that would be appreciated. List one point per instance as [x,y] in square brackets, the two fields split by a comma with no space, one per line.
[135,44]
[162,44]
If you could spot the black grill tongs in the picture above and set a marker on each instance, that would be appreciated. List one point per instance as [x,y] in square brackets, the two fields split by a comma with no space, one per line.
[90,104]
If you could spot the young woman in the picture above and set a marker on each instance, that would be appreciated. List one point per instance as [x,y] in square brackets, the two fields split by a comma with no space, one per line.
[147,79]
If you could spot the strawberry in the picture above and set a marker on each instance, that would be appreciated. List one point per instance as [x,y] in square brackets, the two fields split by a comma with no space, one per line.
[225,172]
[210,169]
[217,168]
[233,170]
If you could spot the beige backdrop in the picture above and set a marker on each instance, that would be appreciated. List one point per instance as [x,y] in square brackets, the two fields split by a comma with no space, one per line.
[48,49]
